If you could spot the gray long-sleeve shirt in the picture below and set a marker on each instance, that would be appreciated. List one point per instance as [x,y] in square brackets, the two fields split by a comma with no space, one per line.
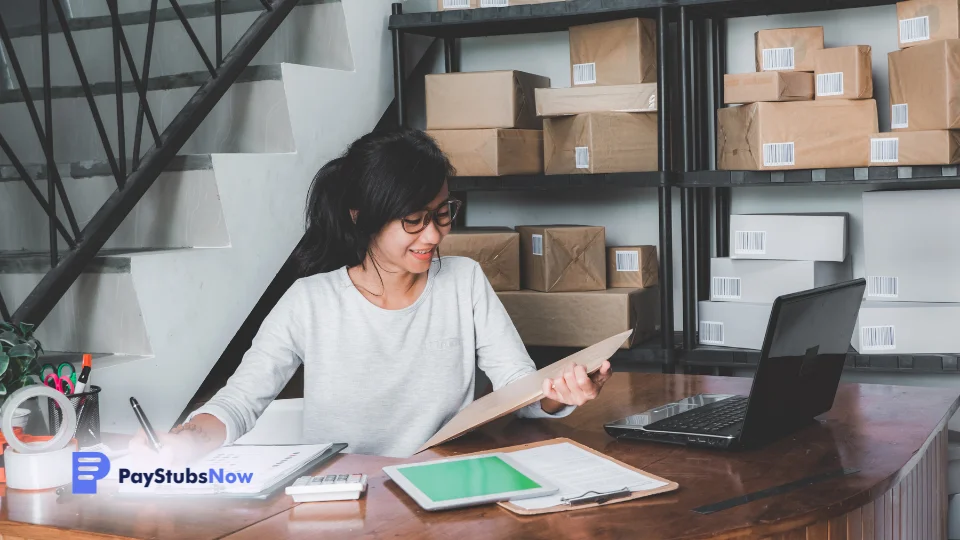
[383,381]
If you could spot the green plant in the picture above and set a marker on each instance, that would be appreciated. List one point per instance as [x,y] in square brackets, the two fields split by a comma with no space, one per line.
[19,352]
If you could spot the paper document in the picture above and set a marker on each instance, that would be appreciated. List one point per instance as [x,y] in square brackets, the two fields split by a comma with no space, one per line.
[576,471]
[239,469]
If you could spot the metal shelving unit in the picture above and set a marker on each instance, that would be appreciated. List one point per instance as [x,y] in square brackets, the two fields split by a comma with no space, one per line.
[450,26]
[695,82]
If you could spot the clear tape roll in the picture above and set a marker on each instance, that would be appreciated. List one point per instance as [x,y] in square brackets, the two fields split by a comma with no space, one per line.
[67,428]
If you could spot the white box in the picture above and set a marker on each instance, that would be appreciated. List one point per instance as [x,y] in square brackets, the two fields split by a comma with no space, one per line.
[910,246]
[740,325]
[789,237]
[735,280]
[907,328]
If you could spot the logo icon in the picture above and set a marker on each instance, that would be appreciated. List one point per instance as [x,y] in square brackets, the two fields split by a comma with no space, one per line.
[88,467]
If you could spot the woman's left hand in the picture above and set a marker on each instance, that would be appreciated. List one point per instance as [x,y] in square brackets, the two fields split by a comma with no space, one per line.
[574,387]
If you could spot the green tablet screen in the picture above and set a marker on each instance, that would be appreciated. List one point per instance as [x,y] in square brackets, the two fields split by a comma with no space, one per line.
[467,478]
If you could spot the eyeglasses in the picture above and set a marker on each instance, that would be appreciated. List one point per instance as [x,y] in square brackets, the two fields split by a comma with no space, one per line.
[442,216]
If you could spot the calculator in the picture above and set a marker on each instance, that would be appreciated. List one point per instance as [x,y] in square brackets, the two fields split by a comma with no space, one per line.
[330,487]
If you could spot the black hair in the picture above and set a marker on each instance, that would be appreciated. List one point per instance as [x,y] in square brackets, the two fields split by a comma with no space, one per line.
[384,176]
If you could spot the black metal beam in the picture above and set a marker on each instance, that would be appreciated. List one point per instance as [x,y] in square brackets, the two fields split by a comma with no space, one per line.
[218,16]
[721,194]
[118,83]
[4,312]
[82,75]
[55,284]
[147,55]
[193,36]
[399,71]
[137,83]
[687,203]
[665,191]
[47,140]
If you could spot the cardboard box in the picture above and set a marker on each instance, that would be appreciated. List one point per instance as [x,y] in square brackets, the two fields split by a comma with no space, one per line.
[923,21]
[483,99]
[940,147]
[580,319]
[586,99]
[562,258]
[740,325]
[492,152]
[907,328]
[735,280]
[768,86]
[910,249]
[789,237]
[496,249]
[634,266]
[614,52]
[788,49]
[925,86]
[600,143]
[844,72]
[798,135]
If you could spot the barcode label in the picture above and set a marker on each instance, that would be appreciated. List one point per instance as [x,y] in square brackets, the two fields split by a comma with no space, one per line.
[830,84]
[494,3]
[711,333]
[585,73]
[750,243]
[885,150]
[726,288]
[899,116]
[456,4]
[877,338]
[778,154]
[913,30]
[883,286]
[628,261]
[538,244]
[777,59]
[582,156]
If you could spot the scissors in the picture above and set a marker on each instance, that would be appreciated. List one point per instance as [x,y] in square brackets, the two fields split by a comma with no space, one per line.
[62,379]
[63,367]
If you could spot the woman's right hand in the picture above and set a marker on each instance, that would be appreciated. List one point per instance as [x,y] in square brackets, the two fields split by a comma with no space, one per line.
[184,444]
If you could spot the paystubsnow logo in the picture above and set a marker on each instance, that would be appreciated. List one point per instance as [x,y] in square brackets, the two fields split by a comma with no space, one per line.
[88,467]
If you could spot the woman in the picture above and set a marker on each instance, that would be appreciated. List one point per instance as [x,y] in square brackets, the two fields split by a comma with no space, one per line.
[388,332]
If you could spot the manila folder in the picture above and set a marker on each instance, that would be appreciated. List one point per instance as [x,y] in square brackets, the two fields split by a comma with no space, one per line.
[523,391]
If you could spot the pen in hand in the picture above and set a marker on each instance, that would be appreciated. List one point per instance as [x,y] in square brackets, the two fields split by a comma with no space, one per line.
[145,424]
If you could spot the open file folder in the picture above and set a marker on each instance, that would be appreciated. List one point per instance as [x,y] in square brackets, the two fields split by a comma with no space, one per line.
[586,478]
[523,391]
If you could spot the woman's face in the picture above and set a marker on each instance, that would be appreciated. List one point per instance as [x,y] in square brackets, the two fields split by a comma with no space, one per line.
[398,250]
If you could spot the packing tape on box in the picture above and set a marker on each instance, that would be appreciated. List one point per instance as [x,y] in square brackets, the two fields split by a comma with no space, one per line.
[67,427]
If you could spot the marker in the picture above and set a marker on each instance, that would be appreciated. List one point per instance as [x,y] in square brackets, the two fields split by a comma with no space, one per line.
[145,424]
[84,374]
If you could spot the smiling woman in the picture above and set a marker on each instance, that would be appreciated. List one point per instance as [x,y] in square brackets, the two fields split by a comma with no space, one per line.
[389,332]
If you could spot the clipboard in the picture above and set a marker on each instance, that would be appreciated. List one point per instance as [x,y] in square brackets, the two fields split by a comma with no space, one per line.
[523,391]
[611,499]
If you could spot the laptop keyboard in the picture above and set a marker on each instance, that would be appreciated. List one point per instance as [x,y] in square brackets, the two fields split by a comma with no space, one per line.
[708,419]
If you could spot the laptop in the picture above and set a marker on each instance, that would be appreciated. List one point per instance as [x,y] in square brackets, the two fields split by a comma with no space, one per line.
[801,361]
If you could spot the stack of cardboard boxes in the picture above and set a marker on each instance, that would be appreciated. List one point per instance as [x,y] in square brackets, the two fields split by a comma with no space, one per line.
[564,273]
[924,88]
[486,122]
[772,255]
[606,122]
[911,260]
[806,107]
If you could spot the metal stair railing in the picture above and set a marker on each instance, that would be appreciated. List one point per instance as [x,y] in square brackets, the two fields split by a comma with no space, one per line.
[83,245]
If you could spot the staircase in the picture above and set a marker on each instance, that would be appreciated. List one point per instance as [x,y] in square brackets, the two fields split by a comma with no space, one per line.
[172,285]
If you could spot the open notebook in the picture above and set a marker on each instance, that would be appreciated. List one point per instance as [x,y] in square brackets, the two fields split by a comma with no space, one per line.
[246,471]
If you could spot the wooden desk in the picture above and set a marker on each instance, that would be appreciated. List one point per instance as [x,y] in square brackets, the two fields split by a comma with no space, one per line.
[895,436]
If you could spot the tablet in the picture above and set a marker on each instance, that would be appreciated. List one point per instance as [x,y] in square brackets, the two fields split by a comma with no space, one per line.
[468,481]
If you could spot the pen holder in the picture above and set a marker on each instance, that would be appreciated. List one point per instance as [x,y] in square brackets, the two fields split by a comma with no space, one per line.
[87,406]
